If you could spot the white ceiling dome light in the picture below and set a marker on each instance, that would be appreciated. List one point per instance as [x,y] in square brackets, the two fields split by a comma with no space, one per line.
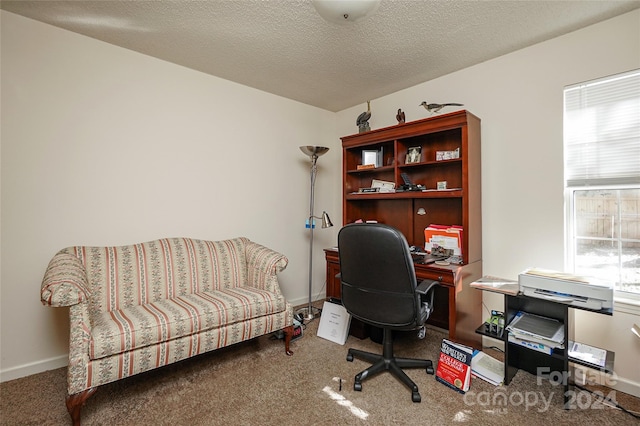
[341,11]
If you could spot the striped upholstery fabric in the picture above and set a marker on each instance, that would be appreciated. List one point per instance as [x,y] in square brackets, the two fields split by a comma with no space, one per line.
[138,307]
[121,277]
[143,325]
[65,282]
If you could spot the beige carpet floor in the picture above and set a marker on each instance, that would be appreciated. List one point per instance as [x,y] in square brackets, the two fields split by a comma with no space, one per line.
[255,383]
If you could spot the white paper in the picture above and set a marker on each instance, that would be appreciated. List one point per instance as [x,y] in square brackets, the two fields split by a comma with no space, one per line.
[487,368]
[334,323]
[588,353]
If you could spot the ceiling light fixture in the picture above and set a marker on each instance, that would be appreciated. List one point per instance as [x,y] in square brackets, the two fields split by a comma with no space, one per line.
[341,11]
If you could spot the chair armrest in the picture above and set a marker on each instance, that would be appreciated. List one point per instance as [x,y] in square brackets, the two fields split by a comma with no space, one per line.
[425,287]
[65,282]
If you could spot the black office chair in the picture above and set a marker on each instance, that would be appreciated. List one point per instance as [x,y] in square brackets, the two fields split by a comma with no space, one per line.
[379,287]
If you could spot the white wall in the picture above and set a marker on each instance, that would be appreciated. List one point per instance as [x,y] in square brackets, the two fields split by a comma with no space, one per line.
[101,145]
[520,101]
[105,146]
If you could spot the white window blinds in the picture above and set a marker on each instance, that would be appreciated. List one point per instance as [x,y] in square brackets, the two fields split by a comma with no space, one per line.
[602,131]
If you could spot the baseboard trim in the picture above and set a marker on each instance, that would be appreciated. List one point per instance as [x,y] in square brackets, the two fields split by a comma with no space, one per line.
[627,386]
[582,374]
[33,368]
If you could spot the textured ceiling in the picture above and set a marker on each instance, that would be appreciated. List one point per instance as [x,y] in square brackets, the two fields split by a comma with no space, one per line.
[284,47]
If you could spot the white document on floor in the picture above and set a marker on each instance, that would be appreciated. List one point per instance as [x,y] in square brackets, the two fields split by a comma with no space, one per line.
[334,323]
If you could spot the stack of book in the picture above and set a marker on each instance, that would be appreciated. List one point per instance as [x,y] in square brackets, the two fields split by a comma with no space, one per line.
[536,332]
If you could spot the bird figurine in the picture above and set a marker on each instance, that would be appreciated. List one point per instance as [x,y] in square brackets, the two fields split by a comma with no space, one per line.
[435,108]
[363,119]
[400,116]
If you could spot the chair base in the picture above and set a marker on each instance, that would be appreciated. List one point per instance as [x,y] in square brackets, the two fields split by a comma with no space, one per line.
[387,362]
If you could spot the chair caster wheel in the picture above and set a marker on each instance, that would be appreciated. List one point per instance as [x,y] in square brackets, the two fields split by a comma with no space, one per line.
[415,397]
[358,387]
[430,370]
[349,357]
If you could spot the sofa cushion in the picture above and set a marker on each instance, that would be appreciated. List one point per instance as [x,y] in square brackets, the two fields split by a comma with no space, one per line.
[138,326]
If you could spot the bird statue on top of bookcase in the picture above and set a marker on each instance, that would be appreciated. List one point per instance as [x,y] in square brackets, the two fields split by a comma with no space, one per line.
[435,108]
[363,119]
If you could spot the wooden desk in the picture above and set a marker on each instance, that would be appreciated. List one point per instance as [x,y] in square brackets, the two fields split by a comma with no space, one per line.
[458,307]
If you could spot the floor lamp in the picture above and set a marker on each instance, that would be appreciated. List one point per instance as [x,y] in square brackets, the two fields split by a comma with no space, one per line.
[313,152]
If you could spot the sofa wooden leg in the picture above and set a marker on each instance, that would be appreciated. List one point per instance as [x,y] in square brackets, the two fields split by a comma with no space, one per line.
[75,403]
[288,334]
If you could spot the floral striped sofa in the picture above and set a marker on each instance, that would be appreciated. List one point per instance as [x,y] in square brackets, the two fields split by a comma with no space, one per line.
[139,307]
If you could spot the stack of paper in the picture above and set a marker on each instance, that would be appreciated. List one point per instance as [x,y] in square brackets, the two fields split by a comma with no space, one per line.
[500,285]
[445,236]
[487,368]
[536,332]
[588,353]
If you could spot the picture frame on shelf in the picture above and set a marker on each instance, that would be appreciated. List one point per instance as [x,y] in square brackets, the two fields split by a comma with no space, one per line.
[369,156]
[414,155]
[383,185]
[372,157]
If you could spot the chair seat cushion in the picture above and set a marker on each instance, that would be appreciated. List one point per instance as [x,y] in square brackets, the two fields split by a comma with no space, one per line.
[139,326]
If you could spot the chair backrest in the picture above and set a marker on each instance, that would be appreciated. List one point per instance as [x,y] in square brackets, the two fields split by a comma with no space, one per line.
[378,280]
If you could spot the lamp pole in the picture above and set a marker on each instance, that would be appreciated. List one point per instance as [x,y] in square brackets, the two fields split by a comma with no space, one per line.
[314,171]
[313,152]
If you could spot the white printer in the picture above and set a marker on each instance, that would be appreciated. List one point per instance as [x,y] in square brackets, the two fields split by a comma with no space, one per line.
[573,290]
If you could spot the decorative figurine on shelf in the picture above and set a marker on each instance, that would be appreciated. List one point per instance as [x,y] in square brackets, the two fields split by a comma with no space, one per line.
[363,119]
[435,108]
[400,116]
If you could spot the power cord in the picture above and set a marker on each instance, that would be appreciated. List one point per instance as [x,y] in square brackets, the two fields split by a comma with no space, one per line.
[495,348]
[607,401]
[322,290]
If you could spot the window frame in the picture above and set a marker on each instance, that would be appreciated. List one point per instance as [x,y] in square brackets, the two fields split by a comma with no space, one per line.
[629,302]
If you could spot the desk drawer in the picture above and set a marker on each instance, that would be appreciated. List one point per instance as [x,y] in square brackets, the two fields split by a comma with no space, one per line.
[446,277]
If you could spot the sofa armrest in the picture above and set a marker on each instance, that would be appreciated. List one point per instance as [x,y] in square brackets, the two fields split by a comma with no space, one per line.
[263,265]
[65,282]
[78,377]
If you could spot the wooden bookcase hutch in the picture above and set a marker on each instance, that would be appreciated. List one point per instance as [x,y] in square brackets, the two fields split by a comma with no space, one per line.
[459,307]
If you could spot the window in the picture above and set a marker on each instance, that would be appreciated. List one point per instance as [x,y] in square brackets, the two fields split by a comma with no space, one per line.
[602,180]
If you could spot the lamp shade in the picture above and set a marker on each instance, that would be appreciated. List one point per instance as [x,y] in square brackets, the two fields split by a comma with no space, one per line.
[341,11]
[314,150]
[326,222]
